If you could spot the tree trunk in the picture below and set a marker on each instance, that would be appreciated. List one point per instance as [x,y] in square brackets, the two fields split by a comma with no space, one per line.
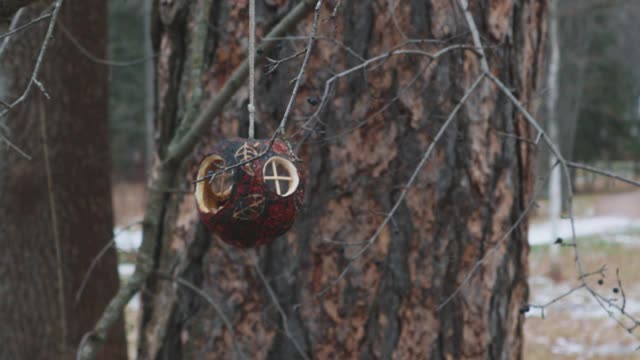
[362,152]
[553,129]
[53,226]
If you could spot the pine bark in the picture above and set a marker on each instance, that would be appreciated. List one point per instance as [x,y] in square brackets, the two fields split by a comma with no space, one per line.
[76,131]
[474,187]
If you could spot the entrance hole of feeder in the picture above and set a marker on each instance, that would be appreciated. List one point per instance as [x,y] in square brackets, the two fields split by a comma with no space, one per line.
[281,176]
[213,192]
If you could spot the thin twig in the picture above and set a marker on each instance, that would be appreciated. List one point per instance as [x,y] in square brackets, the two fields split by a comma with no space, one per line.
[25,26]
[600,272]
[182,145]
[54,228]
[274,63]
[13,25]
[621,289]
[276,303]
[101,253]
[308,127]
[555,300]
[542,307]
[542,135]
[405,189]
[344,243]
[179,148]
[495,248]
[378,58]
[484,64]
[318,38]
[252,68]
[519,138]
[606,173]
[305,61]
[392,12]
[433,56]
[43,50]
[218,309]
[16,148]
[108,62]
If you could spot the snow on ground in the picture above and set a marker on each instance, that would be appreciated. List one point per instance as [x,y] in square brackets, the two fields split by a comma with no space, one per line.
[564,346]
[128,239]
[540,234]
[580,305]
[126,269]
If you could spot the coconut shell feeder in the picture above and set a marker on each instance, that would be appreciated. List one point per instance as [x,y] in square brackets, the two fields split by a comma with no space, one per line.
[254,203]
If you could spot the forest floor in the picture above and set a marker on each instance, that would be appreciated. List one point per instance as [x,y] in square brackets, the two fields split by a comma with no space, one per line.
[576,327]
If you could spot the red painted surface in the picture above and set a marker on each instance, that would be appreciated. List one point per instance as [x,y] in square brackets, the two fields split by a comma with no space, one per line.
[254,214]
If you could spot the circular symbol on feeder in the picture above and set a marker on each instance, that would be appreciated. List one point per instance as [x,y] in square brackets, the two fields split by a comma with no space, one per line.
[249,207]
[220,181]
[281,176]
[245,153]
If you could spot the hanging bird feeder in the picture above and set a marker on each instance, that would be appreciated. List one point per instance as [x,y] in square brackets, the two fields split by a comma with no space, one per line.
[250,204]
[250,191]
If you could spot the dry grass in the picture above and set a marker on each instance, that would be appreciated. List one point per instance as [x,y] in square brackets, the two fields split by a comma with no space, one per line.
[128,202]
[576,327]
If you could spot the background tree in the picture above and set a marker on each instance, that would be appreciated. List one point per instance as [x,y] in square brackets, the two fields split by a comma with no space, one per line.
[608,115]
[363,146]
[598,77]
[127,88]
[55,207]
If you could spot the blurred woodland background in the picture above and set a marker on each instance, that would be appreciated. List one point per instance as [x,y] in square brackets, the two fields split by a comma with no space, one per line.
[598,116]
[594,119]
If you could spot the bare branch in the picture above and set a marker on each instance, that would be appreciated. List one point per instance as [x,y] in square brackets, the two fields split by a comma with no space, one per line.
[99,256]
[108,62]
[606,173]
[213,304]
[318,38]
[408,185]
[274,299]
[600,272]
[14,147]
[292,99]
[495,248]
[542,135]
[178,149]
[376,59]
[43,50]
[475,34]
[542,307]
[55,229]
[621,289]
[12,26]
[328,84]
[274,63]
[25,26]
[308,127]
[181,146]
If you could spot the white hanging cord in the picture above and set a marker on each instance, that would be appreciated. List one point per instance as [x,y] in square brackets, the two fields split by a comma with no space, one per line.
[252,65]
